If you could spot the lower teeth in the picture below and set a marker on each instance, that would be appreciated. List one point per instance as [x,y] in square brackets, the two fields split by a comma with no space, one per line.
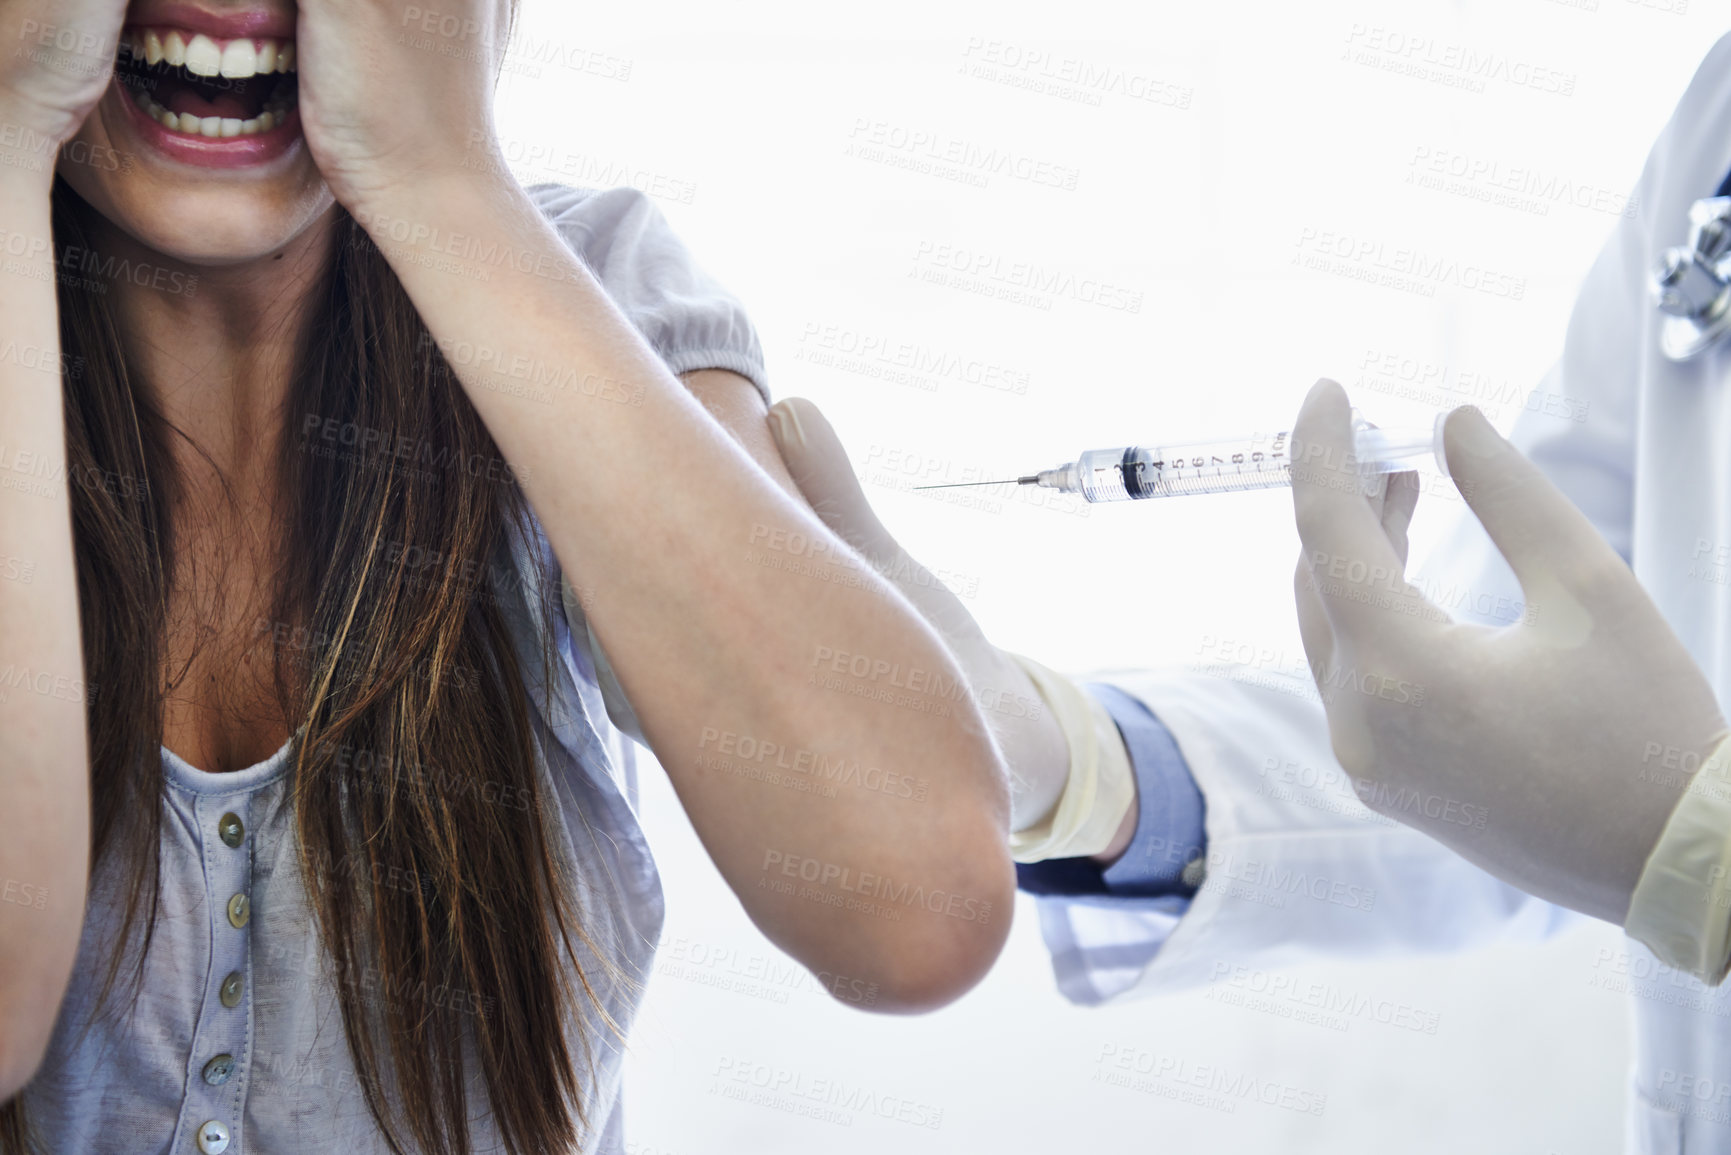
[276,112]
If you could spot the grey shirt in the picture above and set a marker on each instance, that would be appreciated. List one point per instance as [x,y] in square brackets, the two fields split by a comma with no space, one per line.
[236,1028]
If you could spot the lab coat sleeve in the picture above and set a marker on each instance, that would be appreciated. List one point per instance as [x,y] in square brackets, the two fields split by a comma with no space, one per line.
[685,315]
[1297,867]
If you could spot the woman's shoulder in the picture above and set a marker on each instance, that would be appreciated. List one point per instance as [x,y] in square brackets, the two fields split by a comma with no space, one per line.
[602,216]
[687,316]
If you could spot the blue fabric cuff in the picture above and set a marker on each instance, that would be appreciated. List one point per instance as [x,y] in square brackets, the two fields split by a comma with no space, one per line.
[1169,827]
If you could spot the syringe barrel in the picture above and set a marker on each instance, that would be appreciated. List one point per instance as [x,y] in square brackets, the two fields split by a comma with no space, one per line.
[1098,474]
[1131,473]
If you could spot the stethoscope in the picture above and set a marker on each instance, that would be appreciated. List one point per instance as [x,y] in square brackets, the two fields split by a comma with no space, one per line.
[1692,282]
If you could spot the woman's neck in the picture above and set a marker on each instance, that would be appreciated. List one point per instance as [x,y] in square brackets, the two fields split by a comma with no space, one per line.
[216,352]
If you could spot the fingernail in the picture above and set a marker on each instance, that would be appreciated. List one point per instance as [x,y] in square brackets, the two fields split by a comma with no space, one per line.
[784,423]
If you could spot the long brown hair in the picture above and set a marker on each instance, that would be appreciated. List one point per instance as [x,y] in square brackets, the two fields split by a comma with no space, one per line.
[417,669]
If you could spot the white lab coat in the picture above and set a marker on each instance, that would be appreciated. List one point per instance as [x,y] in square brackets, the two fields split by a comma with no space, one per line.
[1297,869]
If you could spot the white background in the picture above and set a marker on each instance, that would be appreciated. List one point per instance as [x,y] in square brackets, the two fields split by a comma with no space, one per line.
[1271,137]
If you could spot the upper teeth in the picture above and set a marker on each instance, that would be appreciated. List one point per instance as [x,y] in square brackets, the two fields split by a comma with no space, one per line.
[203,56]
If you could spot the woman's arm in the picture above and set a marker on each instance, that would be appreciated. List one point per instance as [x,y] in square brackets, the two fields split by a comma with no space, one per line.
[745,634]
[57,67]
[669,528]
[1034,745]
[44,763]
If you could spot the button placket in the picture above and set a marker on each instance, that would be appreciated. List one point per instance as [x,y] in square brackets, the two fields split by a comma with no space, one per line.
[216,1087]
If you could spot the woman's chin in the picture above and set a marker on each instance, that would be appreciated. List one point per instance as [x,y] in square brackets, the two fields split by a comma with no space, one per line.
[202,222]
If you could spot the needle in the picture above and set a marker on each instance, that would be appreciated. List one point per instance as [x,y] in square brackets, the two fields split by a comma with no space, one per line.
[964,484]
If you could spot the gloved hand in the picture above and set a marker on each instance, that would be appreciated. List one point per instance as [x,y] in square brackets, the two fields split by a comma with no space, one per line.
[1545,725]
[1034,744]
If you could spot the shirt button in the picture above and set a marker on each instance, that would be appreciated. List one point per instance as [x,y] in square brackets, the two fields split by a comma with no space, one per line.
[217,1071]
[239,910]
[231,988]
[213,1137]
[231,829]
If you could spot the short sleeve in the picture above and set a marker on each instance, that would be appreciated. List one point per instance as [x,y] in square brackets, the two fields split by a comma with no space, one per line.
[686,316]
[683,313]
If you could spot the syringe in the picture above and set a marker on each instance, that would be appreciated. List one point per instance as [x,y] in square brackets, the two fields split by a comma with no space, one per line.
[1130,473]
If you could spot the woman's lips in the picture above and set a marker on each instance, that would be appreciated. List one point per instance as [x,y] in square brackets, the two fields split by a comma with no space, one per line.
[270,20]
[207,101]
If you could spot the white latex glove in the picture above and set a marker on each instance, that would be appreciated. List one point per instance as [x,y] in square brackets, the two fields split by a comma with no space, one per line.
[1545,725]
[1033,746]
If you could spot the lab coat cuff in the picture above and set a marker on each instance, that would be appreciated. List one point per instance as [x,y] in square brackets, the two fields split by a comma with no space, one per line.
[1166,853]
[1099,790]
[1681,907]
[1169,842]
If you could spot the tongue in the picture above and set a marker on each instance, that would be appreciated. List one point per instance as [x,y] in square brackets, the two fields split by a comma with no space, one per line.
[224,104]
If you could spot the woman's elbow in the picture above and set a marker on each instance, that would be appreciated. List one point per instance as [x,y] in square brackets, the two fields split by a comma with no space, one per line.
[950,942]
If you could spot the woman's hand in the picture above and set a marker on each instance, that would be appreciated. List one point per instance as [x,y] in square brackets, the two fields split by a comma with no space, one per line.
[393,94]
[56,60]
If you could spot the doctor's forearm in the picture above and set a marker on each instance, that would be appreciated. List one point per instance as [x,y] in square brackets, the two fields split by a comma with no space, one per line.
[745,674]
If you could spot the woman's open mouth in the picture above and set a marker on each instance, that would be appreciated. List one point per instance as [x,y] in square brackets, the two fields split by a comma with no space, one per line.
[195,85]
